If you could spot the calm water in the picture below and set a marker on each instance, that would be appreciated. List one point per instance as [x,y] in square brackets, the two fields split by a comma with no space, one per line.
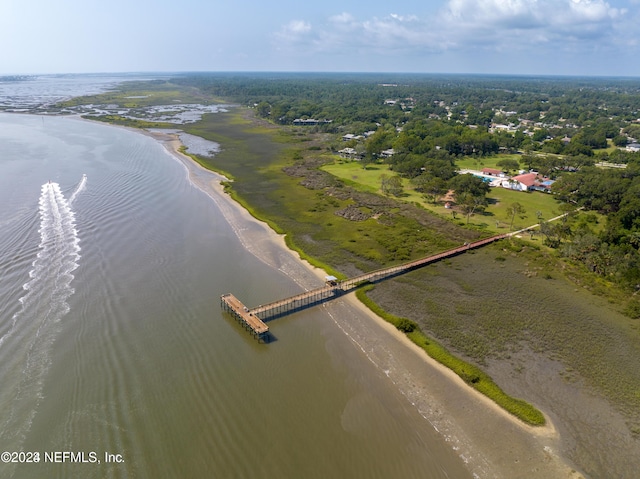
[112,339]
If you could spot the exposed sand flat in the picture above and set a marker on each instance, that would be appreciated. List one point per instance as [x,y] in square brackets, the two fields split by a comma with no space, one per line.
[493,443]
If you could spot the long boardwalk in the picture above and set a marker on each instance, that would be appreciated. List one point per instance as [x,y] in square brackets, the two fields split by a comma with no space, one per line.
[253,319]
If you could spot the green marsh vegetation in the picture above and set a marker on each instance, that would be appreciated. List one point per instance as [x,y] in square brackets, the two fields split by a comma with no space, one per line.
[276,174]
[144,94]
[489,304]
[470,373]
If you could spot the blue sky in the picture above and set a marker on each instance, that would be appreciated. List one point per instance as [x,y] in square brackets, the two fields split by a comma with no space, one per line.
[550,37]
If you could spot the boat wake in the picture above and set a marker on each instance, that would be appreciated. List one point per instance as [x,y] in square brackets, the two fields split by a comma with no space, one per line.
[79,189]
[26,347]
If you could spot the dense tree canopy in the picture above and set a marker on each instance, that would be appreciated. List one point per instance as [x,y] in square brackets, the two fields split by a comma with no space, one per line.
[562,127]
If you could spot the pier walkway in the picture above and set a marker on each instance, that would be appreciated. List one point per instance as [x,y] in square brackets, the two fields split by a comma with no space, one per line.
[253,319]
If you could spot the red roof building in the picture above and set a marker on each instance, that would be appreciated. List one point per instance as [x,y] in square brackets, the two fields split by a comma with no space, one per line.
[527,179]
[492,172]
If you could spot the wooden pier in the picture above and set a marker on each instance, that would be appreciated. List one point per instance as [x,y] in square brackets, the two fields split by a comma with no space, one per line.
[250,321]
[253,319]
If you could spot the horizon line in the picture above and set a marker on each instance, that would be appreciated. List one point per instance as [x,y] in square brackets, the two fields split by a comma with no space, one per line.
[321,72]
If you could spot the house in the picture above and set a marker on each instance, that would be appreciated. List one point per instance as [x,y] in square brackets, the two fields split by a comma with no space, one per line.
[522,182]
[350,153]
[387,153]
[633,147]
[497,126]
[528,182]
[351,136]
[309,122]
[493,172]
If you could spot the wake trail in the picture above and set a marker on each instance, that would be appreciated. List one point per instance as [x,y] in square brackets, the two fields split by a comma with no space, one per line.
[26,348]
[79,189]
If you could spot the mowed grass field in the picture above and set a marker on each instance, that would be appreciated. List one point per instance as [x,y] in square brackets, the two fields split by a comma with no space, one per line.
[494,218]
[471,163]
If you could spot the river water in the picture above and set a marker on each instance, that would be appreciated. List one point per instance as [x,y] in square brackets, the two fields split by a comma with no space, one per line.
[116,360]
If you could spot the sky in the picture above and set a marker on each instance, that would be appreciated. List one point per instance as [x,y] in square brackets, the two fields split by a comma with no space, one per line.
[522,37]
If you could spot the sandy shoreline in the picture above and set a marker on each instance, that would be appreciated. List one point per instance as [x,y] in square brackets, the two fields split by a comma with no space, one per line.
[492,442]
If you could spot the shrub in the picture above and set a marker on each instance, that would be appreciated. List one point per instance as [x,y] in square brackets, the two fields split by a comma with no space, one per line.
[406,325]
[633,309]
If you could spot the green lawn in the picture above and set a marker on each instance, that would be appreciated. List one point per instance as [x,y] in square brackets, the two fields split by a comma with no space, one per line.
[533,202]
[609,149]
[495,217]
[352,172]
[471,163]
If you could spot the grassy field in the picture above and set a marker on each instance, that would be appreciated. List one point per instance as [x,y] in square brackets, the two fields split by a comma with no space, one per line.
[494,219]
[471,163]
[353,173]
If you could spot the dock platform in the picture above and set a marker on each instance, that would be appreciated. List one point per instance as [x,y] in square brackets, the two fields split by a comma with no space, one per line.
[249,320]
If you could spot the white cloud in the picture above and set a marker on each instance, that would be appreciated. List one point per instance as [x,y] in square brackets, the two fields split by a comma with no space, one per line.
[297,27]
[294,31]
[469,25]
[343,17]
[512,14]
[402,18]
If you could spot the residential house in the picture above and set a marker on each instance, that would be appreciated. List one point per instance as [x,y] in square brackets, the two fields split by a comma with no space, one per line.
[349,153]
[309,122]
[528,182]
[522,182]
[351,136]
[633,147]
[493,172]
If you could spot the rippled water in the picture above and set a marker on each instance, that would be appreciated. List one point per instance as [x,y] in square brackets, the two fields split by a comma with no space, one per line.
[113,340]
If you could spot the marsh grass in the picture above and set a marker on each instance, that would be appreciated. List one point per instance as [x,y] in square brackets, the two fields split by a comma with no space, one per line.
[482,309]
[255,157]
[470,373]
[143,94]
